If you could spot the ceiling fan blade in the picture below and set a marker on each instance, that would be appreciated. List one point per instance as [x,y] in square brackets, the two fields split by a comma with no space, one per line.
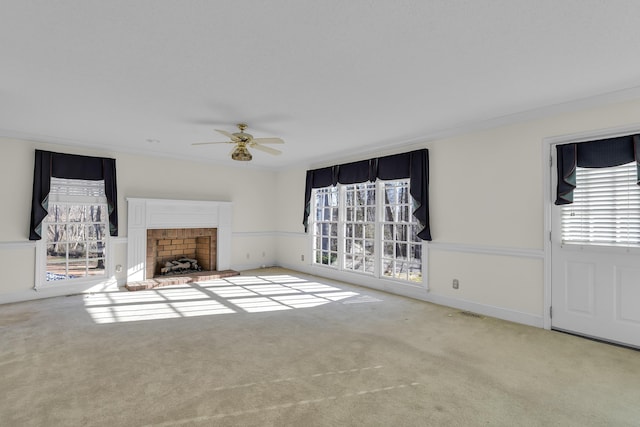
[208,143]
[268,140]
[266,149]
[227,134]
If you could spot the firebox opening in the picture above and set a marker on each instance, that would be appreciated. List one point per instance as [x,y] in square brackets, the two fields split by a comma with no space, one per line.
[180,250]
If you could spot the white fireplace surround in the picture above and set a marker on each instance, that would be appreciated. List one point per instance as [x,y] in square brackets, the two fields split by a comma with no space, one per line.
[145,214]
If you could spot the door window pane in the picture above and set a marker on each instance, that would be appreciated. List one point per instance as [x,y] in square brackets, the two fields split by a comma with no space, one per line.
[605,209]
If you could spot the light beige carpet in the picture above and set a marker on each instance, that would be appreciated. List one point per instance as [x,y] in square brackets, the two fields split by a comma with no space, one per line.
[278,348]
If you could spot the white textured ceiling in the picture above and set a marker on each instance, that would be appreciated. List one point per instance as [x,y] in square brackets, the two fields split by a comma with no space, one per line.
[331,77]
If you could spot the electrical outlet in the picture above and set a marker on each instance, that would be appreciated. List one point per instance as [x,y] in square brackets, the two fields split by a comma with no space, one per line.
[456,284]
[302,257]
[247,255]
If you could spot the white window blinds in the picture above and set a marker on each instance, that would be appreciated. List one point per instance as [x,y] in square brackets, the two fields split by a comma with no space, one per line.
[77,190]
[605,209]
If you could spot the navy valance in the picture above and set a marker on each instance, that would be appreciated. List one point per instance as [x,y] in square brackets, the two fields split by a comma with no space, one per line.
[413,165]
[70,166]
[603,153]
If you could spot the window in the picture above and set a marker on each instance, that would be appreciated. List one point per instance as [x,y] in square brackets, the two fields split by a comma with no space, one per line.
[368,228]
[402,249]
[76,231]
[360,227]
[606,208]
[325,235]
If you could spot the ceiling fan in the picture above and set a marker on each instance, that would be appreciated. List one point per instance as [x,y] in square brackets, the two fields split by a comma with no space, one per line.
[244,141]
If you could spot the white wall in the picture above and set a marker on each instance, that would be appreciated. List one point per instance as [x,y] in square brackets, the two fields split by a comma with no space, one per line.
[251,191]
[16,178]
[486,205]
[487,215]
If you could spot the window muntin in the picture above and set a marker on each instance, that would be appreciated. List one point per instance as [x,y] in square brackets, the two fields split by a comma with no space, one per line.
[76,232]
[605,209]
[376,230]
[325,231]
[360,227]
[401,247]
[75,241]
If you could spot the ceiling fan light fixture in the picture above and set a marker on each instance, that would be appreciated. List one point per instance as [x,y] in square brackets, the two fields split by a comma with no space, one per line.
[241,154]
[243,140]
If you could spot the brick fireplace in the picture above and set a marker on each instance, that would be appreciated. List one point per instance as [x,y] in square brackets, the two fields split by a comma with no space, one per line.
[166,245]
[186,228]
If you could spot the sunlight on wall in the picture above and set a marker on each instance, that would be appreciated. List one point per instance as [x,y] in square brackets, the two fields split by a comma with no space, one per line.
[238,294]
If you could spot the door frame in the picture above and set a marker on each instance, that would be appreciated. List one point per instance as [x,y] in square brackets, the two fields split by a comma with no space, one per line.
[549,179]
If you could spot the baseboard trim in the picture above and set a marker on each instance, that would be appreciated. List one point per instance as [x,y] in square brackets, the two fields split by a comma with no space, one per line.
[488,310]
[415,292]
[392,287]
[245,267]
[31,294]
[420,293]
[20,296]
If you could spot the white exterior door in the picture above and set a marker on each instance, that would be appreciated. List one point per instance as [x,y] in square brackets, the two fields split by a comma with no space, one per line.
[596,293]
[595,289]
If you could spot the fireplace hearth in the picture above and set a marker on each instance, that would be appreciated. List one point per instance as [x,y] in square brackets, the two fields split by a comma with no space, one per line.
[179,279]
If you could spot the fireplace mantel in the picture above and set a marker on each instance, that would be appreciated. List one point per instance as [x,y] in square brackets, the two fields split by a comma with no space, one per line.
[145,214]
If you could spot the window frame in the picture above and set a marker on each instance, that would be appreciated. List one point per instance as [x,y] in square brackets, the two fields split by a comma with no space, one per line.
[378,224]
[69,192]
[406,219]
[334,219]
[367,224]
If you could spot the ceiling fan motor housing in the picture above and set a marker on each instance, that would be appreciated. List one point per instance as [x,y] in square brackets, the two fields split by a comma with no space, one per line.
[244,137]
[241,154]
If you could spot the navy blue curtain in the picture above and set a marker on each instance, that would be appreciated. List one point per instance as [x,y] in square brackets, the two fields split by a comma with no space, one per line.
[357,172]
[70,166]
[413,165]
[603,153]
